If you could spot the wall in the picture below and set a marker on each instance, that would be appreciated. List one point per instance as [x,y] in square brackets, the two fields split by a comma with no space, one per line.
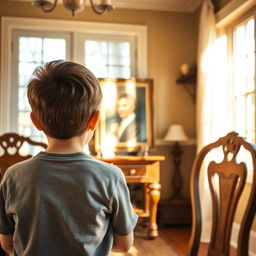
[218,4]
[172,41]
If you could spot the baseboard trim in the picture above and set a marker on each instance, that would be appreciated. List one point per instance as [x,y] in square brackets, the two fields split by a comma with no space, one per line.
[252,239]
[234,237]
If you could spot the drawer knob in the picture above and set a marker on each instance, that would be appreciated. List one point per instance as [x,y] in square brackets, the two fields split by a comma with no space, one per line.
[132,171]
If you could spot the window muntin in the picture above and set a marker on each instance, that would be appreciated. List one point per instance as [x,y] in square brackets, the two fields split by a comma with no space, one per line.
[108,58]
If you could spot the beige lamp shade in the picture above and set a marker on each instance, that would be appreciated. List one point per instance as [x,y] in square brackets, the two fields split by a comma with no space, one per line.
[176,133]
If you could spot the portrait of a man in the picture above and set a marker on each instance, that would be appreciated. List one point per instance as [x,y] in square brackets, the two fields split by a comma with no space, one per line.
[125,114]
[127,127]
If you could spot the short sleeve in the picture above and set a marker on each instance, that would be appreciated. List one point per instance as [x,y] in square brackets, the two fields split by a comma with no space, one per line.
[6,225]
[124,218]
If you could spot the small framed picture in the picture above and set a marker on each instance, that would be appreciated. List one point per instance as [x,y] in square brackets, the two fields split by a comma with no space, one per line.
[126,120]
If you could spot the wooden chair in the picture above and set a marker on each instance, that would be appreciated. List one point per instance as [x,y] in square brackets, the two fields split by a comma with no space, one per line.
[231,182]
[10,143]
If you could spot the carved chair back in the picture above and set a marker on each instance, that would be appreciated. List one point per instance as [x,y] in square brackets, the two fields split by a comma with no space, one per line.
[231,180]
[10,145]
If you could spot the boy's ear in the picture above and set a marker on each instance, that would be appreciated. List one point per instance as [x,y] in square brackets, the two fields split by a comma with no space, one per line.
[34,121]
[94,120]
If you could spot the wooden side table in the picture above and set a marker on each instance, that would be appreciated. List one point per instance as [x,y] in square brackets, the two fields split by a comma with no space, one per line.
[145,170]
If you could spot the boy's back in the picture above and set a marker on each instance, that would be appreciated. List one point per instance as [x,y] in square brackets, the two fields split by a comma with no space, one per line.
[63,205]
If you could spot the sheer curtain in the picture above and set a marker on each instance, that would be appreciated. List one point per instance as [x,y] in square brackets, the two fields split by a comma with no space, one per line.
[212,91]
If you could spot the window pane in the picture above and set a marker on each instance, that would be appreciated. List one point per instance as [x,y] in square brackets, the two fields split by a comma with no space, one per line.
[25,71]
[123,72]
[119,48]
[115,60]
[94,48]
[54,49]
[98,65]
[30,49]
[240,117]
[250,122]
[23,101]
[108,59]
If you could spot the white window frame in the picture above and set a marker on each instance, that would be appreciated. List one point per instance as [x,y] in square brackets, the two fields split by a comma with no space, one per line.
[229,28]
[9,24]
[80,38]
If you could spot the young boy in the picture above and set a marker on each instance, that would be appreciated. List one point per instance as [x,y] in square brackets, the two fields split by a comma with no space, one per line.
[63,202]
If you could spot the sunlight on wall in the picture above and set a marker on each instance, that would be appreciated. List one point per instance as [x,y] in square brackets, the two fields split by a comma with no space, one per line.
[222,101]
[109,105]
[130,87]
[109,97]
[216,106]
[109,112]
[108,146]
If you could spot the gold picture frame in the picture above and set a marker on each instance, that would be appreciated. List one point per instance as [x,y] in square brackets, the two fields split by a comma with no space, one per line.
[126,119]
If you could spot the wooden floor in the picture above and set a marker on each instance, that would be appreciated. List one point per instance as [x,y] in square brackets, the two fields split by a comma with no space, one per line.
[178,237]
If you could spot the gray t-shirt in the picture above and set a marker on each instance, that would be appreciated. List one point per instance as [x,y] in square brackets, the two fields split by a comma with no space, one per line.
[64,204]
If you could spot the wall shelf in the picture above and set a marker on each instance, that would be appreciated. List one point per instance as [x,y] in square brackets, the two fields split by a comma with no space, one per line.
[189,83]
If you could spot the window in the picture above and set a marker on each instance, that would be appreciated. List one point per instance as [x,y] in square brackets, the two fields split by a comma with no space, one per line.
[243,78]
[108,58]
[242,83]
[32,42]
[105,57]
[111,56]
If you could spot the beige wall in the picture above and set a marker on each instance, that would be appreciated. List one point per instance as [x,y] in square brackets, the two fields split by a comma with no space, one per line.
[218,4]
[222,3]
[172,40]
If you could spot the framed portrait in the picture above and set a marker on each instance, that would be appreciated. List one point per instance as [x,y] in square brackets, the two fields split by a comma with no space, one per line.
[126,119]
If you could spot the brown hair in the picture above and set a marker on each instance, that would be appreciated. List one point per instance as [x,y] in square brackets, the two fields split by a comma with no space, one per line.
[63,96]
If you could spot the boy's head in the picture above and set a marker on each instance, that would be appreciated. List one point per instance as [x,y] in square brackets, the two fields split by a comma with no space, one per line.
[63,96]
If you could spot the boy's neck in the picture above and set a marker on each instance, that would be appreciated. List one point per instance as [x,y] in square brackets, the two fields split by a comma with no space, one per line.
[72,145]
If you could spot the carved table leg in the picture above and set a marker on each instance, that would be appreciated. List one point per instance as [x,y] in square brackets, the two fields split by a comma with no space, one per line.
[154,193]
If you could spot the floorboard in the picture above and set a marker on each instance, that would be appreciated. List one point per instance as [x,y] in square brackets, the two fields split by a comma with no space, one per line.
[178,237]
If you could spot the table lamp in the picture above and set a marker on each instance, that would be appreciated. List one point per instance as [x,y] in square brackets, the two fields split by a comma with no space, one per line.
[176,134]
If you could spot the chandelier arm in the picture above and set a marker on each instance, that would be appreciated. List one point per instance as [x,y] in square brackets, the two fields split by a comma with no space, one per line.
[49,9]
[95,10]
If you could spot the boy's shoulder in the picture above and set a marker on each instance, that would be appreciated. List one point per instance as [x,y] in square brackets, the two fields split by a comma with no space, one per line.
[78,159]
[91,165]
[12,170]
[107,168]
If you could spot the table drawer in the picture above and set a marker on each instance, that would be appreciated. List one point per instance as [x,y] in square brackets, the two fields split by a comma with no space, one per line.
[134,171]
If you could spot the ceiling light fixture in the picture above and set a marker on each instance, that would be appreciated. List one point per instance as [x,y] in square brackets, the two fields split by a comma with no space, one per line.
[75,5]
